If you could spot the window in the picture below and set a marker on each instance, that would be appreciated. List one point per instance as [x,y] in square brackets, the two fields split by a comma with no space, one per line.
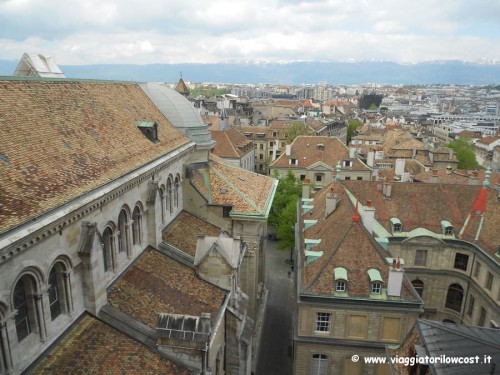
[347,178]
[482,317]
[226,211]
[489,281]
[275,134]
[376,288]
[477,269]
[261,146]
[122,232]
[136,226]
[176,192]
[323,322]
[319,364]
[22,319]
[294,161]
[261,156]
[419,287]
[302,177]
[420,258]
[347,163]
[461,261]
[359,178]
[271,144]
[470,309]
[54,299]
[162,202]
[319,177]
[149,129]
[170,207]
[454,297]
[340,286]
[107,250]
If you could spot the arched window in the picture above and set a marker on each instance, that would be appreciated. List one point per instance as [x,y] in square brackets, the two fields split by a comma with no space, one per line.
[136,226]
[162,203]
[170,207]
[24,304]
[176,192]
[454,297]
[319,364]
[123,242]
[419,287]
[108,247]
[55,288]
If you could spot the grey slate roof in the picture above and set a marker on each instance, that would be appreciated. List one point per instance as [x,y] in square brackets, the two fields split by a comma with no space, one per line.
[460,341]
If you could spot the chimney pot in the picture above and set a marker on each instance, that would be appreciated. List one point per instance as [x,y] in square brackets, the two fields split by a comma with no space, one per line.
[368,203]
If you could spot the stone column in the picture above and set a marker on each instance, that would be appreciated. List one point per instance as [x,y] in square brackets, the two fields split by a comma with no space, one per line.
[128,240]
[68,293]
[5,357]
[40,316]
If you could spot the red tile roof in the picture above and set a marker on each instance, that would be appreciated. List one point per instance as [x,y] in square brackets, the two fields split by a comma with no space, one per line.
[230,143]
[62,139]
[93,347]
[164,286]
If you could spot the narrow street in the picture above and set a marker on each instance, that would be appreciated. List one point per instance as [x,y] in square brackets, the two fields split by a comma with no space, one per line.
[273,358]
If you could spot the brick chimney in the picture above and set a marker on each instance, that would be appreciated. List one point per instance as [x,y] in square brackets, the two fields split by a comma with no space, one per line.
[288,149]
[395,281]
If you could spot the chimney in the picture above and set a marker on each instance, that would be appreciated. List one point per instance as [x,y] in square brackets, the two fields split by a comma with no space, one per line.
[400,167]
[474,179]
[369,216]
[352,152]
[414,152]
[332,199]
[355,216]
[434,177]
[450,154]
[370,158]
[387,189]
[306,188]
[395,281]
[288,150]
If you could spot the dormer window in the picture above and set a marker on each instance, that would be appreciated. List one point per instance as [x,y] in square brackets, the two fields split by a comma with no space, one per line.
[294,161]
[375,281]
[340,275]
[149,129]
[396,225]
[347,163]
[376,288]
[320,146]
[447,228]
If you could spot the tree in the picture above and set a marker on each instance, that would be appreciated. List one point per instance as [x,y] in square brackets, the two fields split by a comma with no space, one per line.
[464,150]
[296,129]
[289,189]
[351,129]
[286,225]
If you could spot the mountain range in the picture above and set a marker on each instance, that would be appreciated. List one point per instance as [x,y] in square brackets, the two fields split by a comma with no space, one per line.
[291,72]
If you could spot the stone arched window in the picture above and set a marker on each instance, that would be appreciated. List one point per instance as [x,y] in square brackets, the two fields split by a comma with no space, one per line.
[123,236]
[170,207]
[108,239]
[176,191]
[162,203]
[319,364]
[5,359]
[137,225]
[454,297]
[59,290]
[27,301]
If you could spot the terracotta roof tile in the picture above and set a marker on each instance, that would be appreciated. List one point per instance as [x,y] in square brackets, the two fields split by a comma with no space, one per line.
[349,246]
[426,205]
[164,286]
[247,192]
[62,139]
[305,149]
[184,230]
[93,347]
[230,143]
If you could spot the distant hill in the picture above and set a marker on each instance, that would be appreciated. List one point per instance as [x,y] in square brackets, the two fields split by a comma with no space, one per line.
[438,72]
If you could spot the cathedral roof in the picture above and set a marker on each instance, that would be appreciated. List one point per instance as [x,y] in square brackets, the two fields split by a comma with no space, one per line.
[62,139]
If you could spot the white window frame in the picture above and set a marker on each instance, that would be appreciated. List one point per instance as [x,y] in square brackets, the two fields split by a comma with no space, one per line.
[319,364]
[340,286]
[376,287]
[323,322]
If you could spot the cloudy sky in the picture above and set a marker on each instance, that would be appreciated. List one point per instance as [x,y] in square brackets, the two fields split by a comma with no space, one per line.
[183,31]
